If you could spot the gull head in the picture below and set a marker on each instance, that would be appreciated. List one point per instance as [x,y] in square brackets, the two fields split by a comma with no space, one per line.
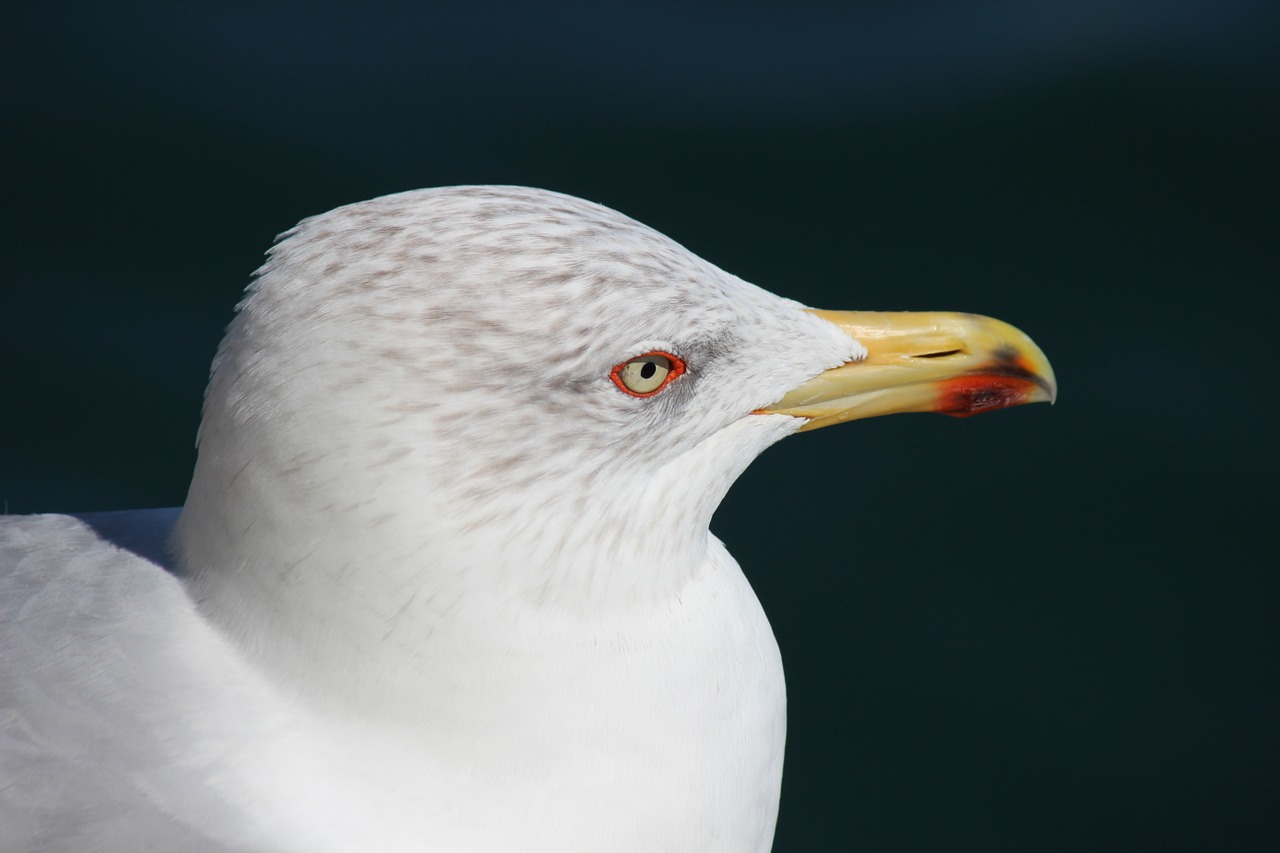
[490,402]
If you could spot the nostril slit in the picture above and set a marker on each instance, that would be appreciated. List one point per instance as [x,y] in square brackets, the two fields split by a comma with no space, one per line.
[942,354]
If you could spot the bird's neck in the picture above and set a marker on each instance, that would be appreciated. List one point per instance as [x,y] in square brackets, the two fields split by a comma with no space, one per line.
[371,583]
[531,632]
[381,603]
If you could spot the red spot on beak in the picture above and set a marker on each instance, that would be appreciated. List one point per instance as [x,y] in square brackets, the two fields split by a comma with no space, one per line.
[969,395]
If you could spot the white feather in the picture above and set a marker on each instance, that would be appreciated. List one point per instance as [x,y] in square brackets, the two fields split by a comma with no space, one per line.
[439,583]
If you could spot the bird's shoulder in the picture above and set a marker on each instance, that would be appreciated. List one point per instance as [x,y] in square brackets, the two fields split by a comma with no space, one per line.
[102,659]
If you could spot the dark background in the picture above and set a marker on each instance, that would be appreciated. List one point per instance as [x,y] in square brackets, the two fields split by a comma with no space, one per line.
[1043,629]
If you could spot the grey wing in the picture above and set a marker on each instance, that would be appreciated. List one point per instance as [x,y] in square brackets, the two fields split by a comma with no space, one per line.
[98,750]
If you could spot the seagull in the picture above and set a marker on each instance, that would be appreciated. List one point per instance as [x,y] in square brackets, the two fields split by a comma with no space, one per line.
[443,579]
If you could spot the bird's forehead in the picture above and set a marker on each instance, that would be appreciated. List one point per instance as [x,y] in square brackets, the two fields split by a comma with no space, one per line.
[507,259]
[509,239]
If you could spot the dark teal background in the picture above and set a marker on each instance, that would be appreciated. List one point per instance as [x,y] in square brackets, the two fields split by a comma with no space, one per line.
[1043,629]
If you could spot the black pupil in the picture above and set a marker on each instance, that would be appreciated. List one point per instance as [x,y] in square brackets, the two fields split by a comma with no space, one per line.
[648,370]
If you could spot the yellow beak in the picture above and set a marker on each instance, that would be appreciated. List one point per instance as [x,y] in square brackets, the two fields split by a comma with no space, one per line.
[957,364]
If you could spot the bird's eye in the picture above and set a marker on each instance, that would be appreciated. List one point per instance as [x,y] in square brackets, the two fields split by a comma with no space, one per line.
[646,375]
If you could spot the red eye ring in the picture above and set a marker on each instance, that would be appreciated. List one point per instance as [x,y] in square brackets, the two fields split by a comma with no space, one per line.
[676,369]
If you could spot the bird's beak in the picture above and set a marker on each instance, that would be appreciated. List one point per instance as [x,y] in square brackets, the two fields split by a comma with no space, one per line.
[957,364]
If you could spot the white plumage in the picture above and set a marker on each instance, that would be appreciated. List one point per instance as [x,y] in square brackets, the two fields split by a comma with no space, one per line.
[442,581]
[442,584]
